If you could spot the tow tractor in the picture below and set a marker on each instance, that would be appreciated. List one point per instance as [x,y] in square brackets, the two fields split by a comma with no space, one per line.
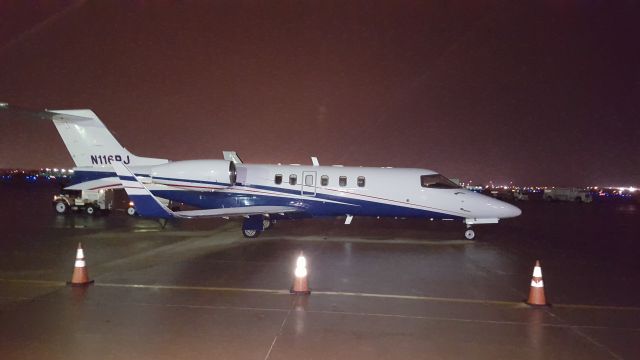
[90,202]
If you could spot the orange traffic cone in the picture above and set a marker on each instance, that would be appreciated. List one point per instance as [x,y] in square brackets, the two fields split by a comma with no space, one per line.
[536,291]
[300,285]
[80,275]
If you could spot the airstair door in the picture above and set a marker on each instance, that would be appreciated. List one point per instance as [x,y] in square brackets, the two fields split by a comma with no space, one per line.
[309,183]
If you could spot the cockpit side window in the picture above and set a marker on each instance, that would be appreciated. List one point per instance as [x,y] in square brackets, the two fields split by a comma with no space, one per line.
[437,181]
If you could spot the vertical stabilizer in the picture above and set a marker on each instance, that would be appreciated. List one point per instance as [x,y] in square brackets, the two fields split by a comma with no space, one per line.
[90,143]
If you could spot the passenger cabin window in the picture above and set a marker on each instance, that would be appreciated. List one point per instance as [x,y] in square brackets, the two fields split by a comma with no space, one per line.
[360,181]
[293,179]
[437,181]
[342,181]
[278,179]
[308,180]
[324,180]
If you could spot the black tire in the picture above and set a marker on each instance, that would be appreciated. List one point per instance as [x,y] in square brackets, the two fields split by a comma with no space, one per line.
[91,210]
[469,234]
[251,234]
[578,199]
[267,224]
[61,207]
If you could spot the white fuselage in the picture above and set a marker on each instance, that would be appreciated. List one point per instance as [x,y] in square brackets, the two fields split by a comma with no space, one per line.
[316,190]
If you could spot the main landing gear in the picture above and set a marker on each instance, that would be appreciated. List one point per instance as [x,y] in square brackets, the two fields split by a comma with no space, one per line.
[267,224]
[251,225]
[251,233]
[255,224]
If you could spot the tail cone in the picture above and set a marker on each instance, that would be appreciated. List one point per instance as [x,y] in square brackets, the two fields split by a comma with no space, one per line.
[536,291]
[80,275]
[300,284]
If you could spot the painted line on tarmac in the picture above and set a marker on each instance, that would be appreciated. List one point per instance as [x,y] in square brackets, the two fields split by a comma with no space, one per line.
[197,288]
[35,282]
[370,241]
[327,293]
[481,321]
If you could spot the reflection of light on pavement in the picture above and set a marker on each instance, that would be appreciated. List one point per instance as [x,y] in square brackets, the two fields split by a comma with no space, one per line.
[627,208]
[299,320]
[347,252]
[535,331]
[146,230]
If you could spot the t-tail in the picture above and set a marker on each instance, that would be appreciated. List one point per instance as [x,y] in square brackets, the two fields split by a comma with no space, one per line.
[90,143]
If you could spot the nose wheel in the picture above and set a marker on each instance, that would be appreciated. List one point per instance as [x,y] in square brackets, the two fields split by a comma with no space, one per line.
[469,234]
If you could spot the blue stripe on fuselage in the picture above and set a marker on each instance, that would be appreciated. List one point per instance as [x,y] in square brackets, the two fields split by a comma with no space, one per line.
[80,176]
[217,199]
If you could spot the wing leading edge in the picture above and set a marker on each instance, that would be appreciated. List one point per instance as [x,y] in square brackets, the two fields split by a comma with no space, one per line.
[148,205]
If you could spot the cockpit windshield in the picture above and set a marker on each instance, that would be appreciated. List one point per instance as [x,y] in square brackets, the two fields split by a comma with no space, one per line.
[437,181]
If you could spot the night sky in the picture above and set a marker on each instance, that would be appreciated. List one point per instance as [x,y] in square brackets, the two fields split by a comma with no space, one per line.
[534,92]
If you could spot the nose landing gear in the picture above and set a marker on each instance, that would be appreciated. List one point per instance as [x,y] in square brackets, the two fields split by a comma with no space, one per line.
[469,234]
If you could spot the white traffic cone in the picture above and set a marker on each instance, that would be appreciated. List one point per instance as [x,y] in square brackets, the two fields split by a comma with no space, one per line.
[80,275]
[300,284]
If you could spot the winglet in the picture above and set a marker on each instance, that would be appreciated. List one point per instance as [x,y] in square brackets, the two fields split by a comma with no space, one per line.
[146,204]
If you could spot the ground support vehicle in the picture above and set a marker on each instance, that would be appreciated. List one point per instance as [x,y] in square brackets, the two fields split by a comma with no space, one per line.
[91,202]
[567,194]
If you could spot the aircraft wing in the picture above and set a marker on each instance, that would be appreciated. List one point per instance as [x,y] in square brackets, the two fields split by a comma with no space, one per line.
[237,211]
[148,206]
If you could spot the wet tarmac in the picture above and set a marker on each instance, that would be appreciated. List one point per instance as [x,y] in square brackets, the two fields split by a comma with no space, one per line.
[382,289]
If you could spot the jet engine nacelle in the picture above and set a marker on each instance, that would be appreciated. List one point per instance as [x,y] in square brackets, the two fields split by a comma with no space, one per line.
[221,172]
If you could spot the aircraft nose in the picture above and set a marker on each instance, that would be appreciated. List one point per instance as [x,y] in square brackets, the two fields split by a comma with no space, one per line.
[493,208]
[510,211]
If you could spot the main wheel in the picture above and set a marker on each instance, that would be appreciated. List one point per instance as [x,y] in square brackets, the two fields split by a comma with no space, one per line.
[469,234]
[131,211]
[61,207]
[250,233]
[90,210]
[266,224]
